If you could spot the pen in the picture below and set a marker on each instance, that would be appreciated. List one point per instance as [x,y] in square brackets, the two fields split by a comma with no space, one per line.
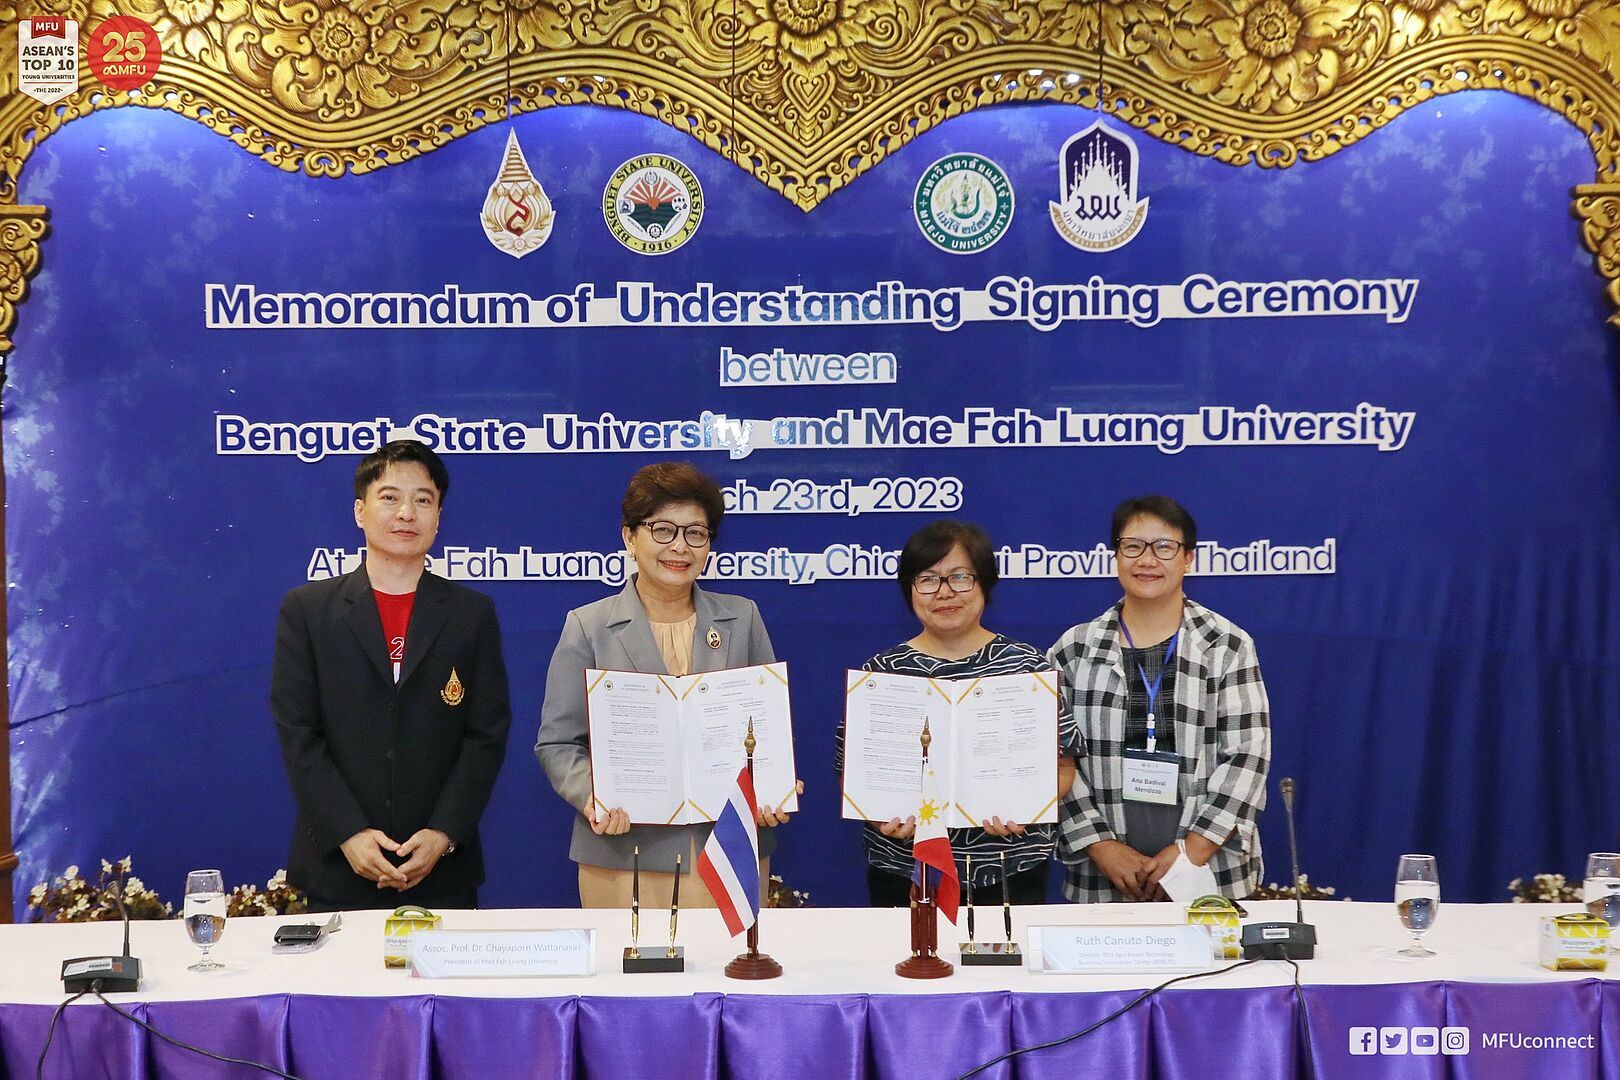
[674,905]
[1006,897]
[635,896]
[970,900]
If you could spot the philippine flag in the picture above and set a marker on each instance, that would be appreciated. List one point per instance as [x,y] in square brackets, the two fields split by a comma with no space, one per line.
[931,847]
[729,864]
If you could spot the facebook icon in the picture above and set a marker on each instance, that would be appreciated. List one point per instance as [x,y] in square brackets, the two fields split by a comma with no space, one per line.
[1363,1041]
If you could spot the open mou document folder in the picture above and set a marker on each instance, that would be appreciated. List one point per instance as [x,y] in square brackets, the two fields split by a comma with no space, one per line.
[668,748]
[994,748]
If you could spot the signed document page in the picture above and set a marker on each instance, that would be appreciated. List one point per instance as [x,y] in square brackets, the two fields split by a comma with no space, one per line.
[883,723]
[1006,729]
[636,754]
[668,749]
[717,706]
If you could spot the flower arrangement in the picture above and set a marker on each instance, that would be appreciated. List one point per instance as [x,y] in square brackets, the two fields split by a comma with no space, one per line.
[278,898]
[1545,889]
[70,898]
[780,896]
[1307,891]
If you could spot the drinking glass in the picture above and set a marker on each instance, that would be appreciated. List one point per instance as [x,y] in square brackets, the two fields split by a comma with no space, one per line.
[205,914]
[1601,894]
[1417,900]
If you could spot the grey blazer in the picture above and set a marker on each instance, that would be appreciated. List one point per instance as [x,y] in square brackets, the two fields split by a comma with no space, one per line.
[614,634]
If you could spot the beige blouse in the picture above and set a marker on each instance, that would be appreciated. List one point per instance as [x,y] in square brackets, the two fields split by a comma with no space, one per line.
[675,643]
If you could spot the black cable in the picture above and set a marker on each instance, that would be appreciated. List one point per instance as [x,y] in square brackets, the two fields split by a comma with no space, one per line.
[50,1033]
[176,1042]
[1115,1015]
[1304,1022]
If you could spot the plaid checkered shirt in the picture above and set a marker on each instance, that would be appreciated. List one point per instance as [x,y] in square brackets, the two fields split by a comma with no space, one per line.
[1223,734]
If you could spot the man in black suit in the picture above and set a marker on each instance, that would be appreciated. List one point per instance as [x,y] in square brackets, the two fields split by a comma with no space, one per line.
[390,700]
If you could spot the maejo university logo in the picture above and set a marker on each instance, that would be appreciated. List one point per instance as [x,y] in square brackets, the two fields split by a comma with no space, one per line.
[1099,210]
[963,203]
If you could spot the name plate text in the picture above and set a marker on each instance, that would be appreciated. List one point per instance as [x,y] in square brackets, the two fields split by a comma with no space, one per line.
[502,954]
[1100,949]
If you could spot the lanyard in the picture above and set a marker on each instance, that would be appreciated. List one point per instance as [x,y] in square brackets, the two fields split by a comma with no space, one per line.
[1152,690]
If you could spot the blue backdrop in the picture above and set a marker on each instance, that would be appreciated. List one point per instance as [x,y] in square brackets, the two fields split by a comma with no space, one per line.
[1450,687]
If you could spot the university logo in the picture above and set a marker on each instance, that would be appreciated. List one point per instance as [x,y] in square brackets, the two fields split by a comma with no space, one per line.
[652,204]
[1100,210]
[517,215]
[963,203]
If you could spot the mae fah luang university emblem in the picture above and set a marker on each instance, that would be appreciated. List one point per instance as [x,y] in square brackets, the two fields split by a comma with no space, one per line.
[1099,211]
[517,216]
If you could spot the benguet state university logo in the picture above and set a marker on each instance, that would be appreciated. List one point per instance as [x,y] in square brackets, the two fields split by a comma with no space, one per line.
[963,203]
[1097,175]
[652,204]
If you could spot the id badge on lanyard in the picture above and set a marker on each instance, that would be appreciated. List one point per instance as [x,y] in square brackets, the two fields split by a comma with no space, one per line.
[1151,776]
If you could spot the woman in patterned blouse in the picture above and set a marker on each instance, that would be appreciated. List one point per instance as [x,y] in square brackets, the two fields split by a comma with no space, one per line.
[946,575]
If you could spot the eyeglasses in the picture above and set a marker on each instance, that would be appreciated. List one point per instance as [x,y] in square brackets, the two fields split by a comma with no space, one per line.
[928,584]
[663,532]
[1134,547]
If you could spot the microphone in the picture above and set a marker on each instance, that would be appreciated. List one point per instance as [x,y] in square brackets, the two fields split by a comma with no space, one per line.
[108,974]
[1283,940]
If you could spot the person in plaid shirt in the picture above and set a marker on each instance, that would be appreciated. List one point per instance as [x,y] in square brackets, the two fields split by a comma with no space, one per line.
[1174,725]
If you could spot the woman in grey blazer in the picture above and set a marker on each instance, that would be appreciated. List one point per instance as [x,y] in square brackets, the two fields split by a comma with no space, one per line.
[660,622]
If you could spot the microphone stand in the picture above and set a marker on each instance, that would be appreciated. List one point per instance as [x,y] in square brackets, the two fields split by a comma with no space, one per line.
[1283,940]
[109,974]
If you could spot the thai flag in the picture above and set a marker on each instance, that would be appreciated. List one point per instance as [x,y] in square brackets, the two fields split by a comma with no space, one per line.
[729,864]
[931,847]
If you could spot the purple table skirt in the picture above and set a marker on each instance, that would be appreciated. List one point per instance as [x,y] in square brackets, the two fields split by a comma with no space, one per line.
[1180,1034]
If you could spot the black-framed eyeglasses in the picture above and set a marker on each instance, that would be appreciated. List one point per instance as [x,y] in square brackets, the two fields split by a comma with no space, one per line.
[1134,547]
[663,532]
[928,584]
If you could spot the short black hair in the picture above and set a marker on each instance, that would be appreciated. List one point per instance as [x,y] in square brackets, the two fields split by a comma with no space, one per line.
[401,452]
[1162,507]
[656,486]
[934,541]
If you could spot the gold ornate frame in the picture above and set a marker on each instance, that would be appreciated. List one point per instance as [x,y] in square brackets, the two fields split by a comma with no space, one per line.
[825,89]
[808,94]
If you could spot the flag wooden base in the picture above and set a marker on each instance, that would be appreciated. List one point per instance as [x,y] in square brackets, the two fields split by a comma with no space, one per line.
[924,961]
[924,967]
[753,965]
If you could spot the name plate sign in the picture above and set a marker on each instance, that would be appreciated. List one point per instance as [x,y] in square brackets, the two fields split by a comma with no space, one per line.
[1085,950]
[502,954]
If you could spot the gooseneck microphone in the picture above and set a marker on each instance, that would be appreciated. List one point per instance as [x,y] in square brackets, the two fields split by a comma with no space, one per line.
[1283,940]
[108,974]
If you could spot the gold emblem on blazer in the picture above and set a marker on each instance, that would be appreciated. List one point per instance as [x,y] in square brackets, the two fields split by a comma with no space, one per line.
[453,691]
[713,638]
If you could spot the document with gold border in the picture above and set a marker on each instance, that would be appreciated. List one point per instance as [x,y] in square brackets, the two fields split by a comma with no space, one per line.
[668,748]
[994,746]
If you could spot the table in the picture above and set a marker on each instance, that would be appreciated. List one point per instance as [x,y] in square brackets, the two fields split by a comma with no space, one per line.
[839,1011]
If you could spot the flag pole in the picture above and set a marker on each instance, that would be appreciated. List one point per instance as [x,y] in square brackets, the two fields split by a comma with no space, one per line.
[753,964]
[924,961]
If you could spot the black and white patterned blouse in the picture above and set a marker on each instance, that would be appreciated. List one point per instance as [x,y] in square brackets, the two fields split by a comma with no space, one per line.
[1001,656]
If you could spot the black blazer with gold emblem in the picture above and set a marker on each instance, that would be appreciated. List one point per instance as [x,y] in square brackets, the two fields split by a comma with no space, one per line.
[363,752]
